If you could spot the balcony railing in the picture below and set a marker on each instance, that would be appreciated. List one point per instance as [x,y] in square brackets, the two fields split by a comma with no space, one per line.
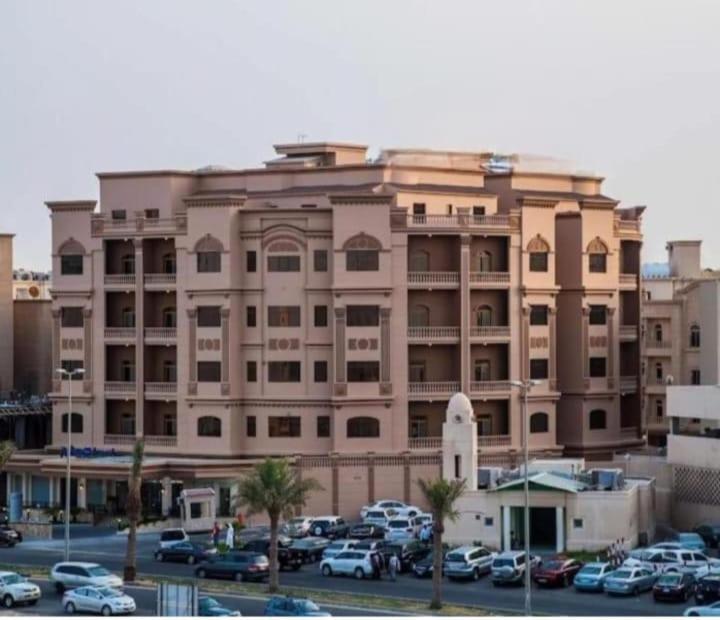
[628,331]
[489,277]
[628,383]
[160,333]
[490,331]
[628,279]
[425,443]
[119,440]
[164,279]
[120,333]
[457,220]
[161,387]
[161,441]
[120,279]
[658,344]
[434,277]
[493,441]
[119,387]
[433,333]
[102,224]
[489,386]
[434,387]
[628,226]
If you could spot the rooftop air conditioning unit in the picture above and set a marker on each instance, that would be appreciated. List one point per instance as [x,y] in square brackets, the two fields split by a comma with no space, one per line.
[607,479]
[488,477]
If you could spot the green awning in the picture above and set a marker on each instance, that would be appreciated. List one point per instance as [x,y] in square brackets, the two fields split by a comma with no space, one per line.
[543,481]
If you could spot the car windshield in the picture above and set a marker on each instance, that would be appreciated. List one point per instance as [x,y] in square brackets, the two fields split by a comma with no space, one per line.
[336,546]
[455,557]
[376,514]
[109,592]
[503,562]
[553,565]
[688,537]
[669,579]
[11,580]
[98,571]
[307,606]
[622,574]
[397,524]
[591,570]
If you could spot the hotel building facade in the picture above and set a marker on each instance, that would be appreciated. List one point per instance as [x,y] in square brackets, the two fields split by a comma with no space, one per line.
[329,306]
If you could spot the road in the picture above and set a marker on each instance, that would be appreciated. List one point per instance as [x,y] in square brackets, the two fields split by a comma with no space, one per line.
[109,550]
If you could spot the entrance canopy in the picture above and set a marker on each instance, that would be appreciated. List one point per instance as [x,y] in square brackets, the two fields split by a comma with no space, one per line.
[543,481]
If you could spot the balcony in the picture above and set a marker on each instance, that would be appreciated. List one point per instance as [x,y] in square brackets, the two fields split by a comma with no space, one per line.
[120,389]
[103,225]
[457,221]
[433,279]
[433,334]
[628,333]
[488,387]
[162,335]
[490,333]
[120,440]
[628,384]
[425,443]
[658,348]
[628,281]
[489,279]
[120,280]
[161,441]
[165,390]
[161,281]
[424,390]
[628,229]
[494,441]
[120,334]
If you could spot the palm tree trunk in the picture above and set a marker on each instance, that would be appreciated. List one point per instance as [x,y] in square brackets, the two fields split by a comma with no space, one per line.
[129,572]
[437,577]
[274,569]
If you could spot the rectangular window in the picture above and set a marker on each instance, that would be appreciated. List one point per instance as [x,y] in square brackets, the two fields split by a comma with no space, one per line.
[363,372]
[251,372]
[251,261]
[598,315]
[251,426]
[208,316]
[72,366]
[323,426]
[251,316]
[598,263]
[320,261]
[478,210]
[71,316]
[362,260]
[538,261]
[208,262]
[419,208]
[208,372]
[118,215]
[538,315]
[285,426]
[284,316]
[283,263]
[284,372]
[577,524]
[320,316]
[71,265]
[363,316]
[489,522]
[597,367]
[695,377]
[539,369]
[152,214]
[321,371]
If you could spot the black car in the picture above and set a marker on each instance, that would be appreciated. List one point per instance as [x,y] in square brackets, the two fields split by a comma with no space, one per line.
[410,552]
[361,531]
[424,568]
[237,565]
[674,586]
[707,590]
[310,548]
[9,537]
[710,533]
[288,557]
[330,527]
[185,551]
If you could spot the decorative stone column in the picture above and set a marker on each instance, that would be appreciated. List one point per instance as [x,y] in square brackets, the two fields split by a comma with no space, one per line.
[139,340]
[192,351]
[88,342]
[385,384]
[586,347]
[51,490]
[166,496]
[340,387]
[553,348]
[505,510]
[525,344]
[465,241]
[611,348]
[82,493]
[559,529]
[56,327]
[225,329]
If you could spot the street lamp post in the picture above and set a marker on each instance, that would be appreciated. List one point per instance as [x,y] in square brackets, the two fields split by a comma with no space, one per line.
[70,374]
[525,387]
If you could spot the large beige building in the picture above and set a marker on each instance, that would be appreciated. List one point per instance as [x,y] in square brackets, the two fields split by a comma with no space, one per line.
[330,304]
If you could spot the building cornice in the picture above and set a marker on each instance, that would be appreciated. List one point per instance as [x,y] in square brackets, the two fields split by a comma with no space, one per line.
[221,200]
[60,206]
[352,198]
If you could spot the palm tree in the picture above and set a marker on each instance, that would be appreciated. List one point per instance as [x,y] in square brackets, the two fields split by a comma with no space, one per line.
[274,488]
[133,510]
[441,495]
[6,451]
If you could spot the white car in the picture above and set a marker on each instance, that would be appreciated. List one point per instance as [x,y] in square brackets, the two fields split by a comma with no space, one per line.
[706,610]
[66,575]
[337,547]
[173,535]
[401,528]
[355,563]
[15,589]
[105,601]
[400,508]
[380,517]
[298,527]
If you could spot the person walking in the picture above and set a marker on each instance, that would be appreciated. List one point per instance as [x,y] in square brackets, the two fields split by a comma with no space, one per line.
[230,536]
[216,533]
[425,535]
[375,562]
[393,566]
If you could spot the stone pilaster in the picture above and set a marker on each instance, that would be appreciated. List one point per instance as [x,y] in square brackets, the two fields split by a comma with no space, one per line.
[139,340]
[371,478]
[88,347]
[465,370]
[225,328]
[385,385]
[552,363]
[611,373]
[586,347]
[192,351]
[56,327]
[340,376]
[525,344]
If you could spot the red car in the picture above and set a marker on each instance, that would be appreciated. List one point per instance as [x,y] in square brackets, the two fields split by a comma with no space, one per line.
[557,572]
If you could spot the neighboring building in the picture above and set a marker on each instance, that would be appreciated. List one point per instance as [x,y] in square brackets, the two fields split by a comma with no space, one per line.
[6,314]
[326,304]
[31,284]
[673,323]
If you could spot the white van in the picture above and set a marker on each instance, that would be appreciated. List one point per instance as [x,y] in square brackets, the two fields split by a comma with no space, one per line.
[173,535]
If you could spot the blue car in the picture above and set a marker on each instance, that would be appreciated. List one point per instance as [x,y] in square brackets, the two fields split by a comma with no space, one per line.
[691,540]
[591,577]
[629,580]
[288,606]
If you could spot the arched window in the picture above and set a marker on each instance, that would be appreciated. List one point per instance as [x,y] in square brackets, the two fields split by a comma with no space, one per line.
[538,249]
[598,419]
[208,251]
[420,316]
[127,264]
[482,261]
[71,258]
[419,260]
[695,336]
[597,256]
[363,427]
[128,317]
[169,371]
[659,409]
[209,426]
[362,253]
[77,423]
[169,317]
[539,422]
[658,372]
[483,316]
[169,264]
[658,332]
[127,371]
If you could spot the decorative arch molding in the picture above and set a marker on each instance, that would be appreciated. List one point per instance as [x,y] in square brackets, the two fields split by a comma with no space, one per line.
[208,243]
[362,241]
[71,246]
[286,245]
[538,244]
[285,233]
[597,246]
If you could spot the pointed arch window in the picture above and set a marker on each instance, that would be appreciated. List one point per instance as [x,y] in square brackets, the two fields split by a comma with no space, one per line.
[597,256]
[695,336]
[538,250]
[419,260]
[420,316]
[483,262]
[127,264]
[483,316]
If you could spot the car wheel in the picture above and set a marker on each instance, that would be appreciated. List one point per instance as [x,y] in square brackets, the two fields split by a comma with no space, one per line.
[318,531]
[191,559]
[326,570]
[359,573]
[70,608]
[239,577]
[8,601]
[476,574]
[201,573]
[159,557]
[106,611]
[693,613]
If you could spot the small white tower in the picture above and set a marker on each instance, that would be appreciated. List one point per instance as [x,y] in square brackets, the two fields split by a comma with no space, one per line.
[460,449]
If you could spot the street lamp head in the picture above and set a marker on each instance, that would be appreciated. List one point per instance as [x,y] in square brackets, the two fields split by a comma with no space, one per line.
[69,373]
[525,384]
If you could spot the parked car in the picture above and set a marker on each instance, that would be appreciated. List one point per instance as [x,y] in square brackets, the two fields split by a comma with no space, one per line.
[674,587]
[66,575]
[401,528]
[710,533]
[289,606]
[408,551]
[709,610]
[338,546]
[691,540]
[355,563]
[468,563]
[399,508]
[173,535]
[288,557]
[707,589]
[591,577]
[298,527]
[380,517]
[185,551]
[309,549]
[16,589]
[330,527]
[508,567]
[104,600]
[208,606]
[629,580]
[668,544]
[237,565]
[557,572]
[686,557]
[361,531]
[424,567]
[370,545]
[9,536]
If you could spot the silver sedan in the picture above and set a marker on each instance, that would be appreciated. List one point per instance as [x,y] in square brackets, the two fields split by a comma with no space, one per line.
[105,601]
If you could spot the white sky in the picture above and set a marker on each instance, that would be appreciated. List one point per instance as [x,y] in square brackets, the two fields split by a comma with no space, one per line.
[628,89]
